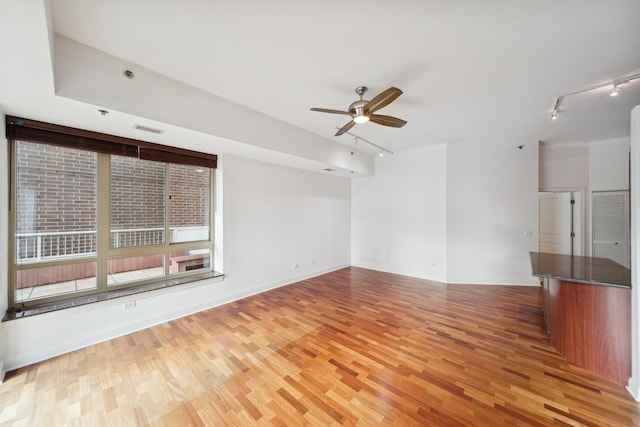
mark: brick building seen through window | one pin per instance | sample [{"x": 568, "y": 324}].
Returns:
[{"x": 57, "y": 199}]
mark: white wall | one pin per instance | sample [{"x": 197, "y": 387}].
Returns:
[
  {"x": 399, "y": 215},
  {"x": 634, "y": 381},
  {"x": 273, "y": 217},
  {"x": 492, "y": 212},
  {"x": 455, "y": 213},
  {"x": 563, "y": 167},
  {"x": 276, "y": 217},
  {"x": 609, "y": 165},
  {"x": 4, "y": 209}
]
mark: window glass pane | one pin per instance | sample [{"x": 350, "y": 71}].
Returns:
[
  {"x": 45, "y": 282},
  {"x": 188, "y": 203},
  {"x": 132, "y": 269},
  {"x": 55, "y": 202},
  {"x": 190, "y": 260},
  {"x": 137, "y": 202},
  {"x": 57, "y": 244}
]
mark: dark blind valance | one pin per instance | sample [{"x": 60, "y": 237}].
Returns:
[{"x": 34, "y": 131}]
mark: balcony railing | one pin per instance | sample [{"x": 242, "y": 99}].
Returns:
[
  {"x": 48, "y": 246},
  {"x": 130, "y": 237},
  {"x": 32, "y": 247}
]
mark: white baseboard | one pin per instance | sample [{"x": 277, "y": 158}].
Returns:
[{"x": 634, "y": 389}]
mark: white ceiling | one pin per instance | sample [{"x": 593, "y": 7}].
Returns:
[{"x": 470, "y": 70}]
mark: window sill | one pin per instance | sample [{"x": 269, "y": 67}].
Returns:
[{"x": 104, "y": 296}]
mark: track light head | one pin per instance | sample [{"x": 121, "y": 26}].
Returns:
[{"x": 614, "y": 92}]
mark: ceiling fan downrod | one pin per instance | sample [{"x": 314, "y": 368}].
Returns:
[{"x": 360, "y": 90}]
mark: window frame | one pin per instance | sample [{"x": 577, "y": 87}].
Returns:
[{"x": 104, "y": 145}]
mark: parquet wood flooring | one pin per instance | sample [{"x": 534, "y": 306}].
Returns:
[{"x": 353, "y": 347}]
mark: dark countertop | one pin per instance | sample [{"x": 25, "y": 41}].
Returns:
[{"x": 581, "y": 269}]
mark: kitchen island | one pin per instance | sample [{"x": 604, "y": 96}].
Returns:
[{"x": 587, "y": 309}]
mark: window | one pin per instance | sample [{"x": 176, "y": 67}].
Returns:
[{"x": 91, "y": 213}]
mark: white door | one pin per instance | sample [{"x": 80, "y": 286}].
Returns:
[
  {"x": 611, "y": 226},
  {"x": 555, "y": 222}
]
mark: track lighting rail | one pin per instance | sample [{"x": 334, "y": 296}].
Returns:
[
  {"x": 359, "y": 138},
  {"x": 616, "y": 84}
]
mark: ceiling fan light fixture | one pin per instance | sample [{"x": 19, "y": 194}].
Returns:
[{"x": 361, "y": 119}]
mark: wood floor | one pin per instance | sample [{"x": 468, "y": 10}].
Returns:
[{"x": 353, "y": 347}]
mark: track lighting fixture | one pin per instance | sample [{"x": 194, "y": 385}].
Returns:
[
  {"x": 614, "y": 92},
  {"x": 359, "y": 138},
  {"x": 554, "y": 114}
]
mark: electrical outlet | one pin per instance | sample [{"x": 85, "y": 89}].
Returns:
[{"x": 129, "y": 304}]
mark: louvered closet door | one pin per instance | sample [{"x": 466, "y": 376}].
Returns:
[{"x": 611, "y": 226}]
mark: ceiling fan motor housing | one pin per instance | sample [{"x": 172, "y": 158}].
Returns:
[{"x": 357, "y": 107}]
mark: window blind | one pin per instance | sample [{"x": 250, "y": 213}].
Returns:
[{"x": 18, "y": 128}]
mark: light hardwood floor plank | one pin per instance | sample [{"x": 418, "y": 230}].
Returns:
[{"x": 353, "y": 347}]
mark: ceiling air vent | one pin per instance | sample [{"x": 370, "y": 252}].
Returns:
[{"x": 148, "y": 129}]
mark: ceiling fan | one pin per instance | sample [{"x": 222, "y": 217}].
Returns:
[{"x": 362, "y": 111}]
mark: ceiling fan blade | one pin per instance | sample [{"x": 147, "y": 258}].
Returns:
[
  {"x": 387, "y": 120},
  {"x": 382, "y": 99},
  {"x": 328, "y": 110},
  {"x": 345, "y": 128}
]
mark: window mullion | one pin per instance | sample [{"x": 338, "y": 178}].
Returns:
[
  {"x": 103, "y": 226},
  {"x": 167, "y": 229},
  {"x": 12, "y": 223},
  {"x": 212, "y": 214}
]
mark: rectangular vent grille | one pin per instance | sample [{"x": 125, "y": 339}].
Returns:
[{"x": 148, "y": 129}]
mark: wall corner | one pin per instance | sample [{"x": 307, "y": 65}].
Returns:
[
  {"x": 634, "y": 381},
  {"x": 4, "y": 224}
]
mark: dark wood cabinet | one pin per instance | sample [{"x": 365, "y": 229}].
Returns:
[
  {"x": 590, "y": 326},
  {"x": 588, "y": 323}
]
